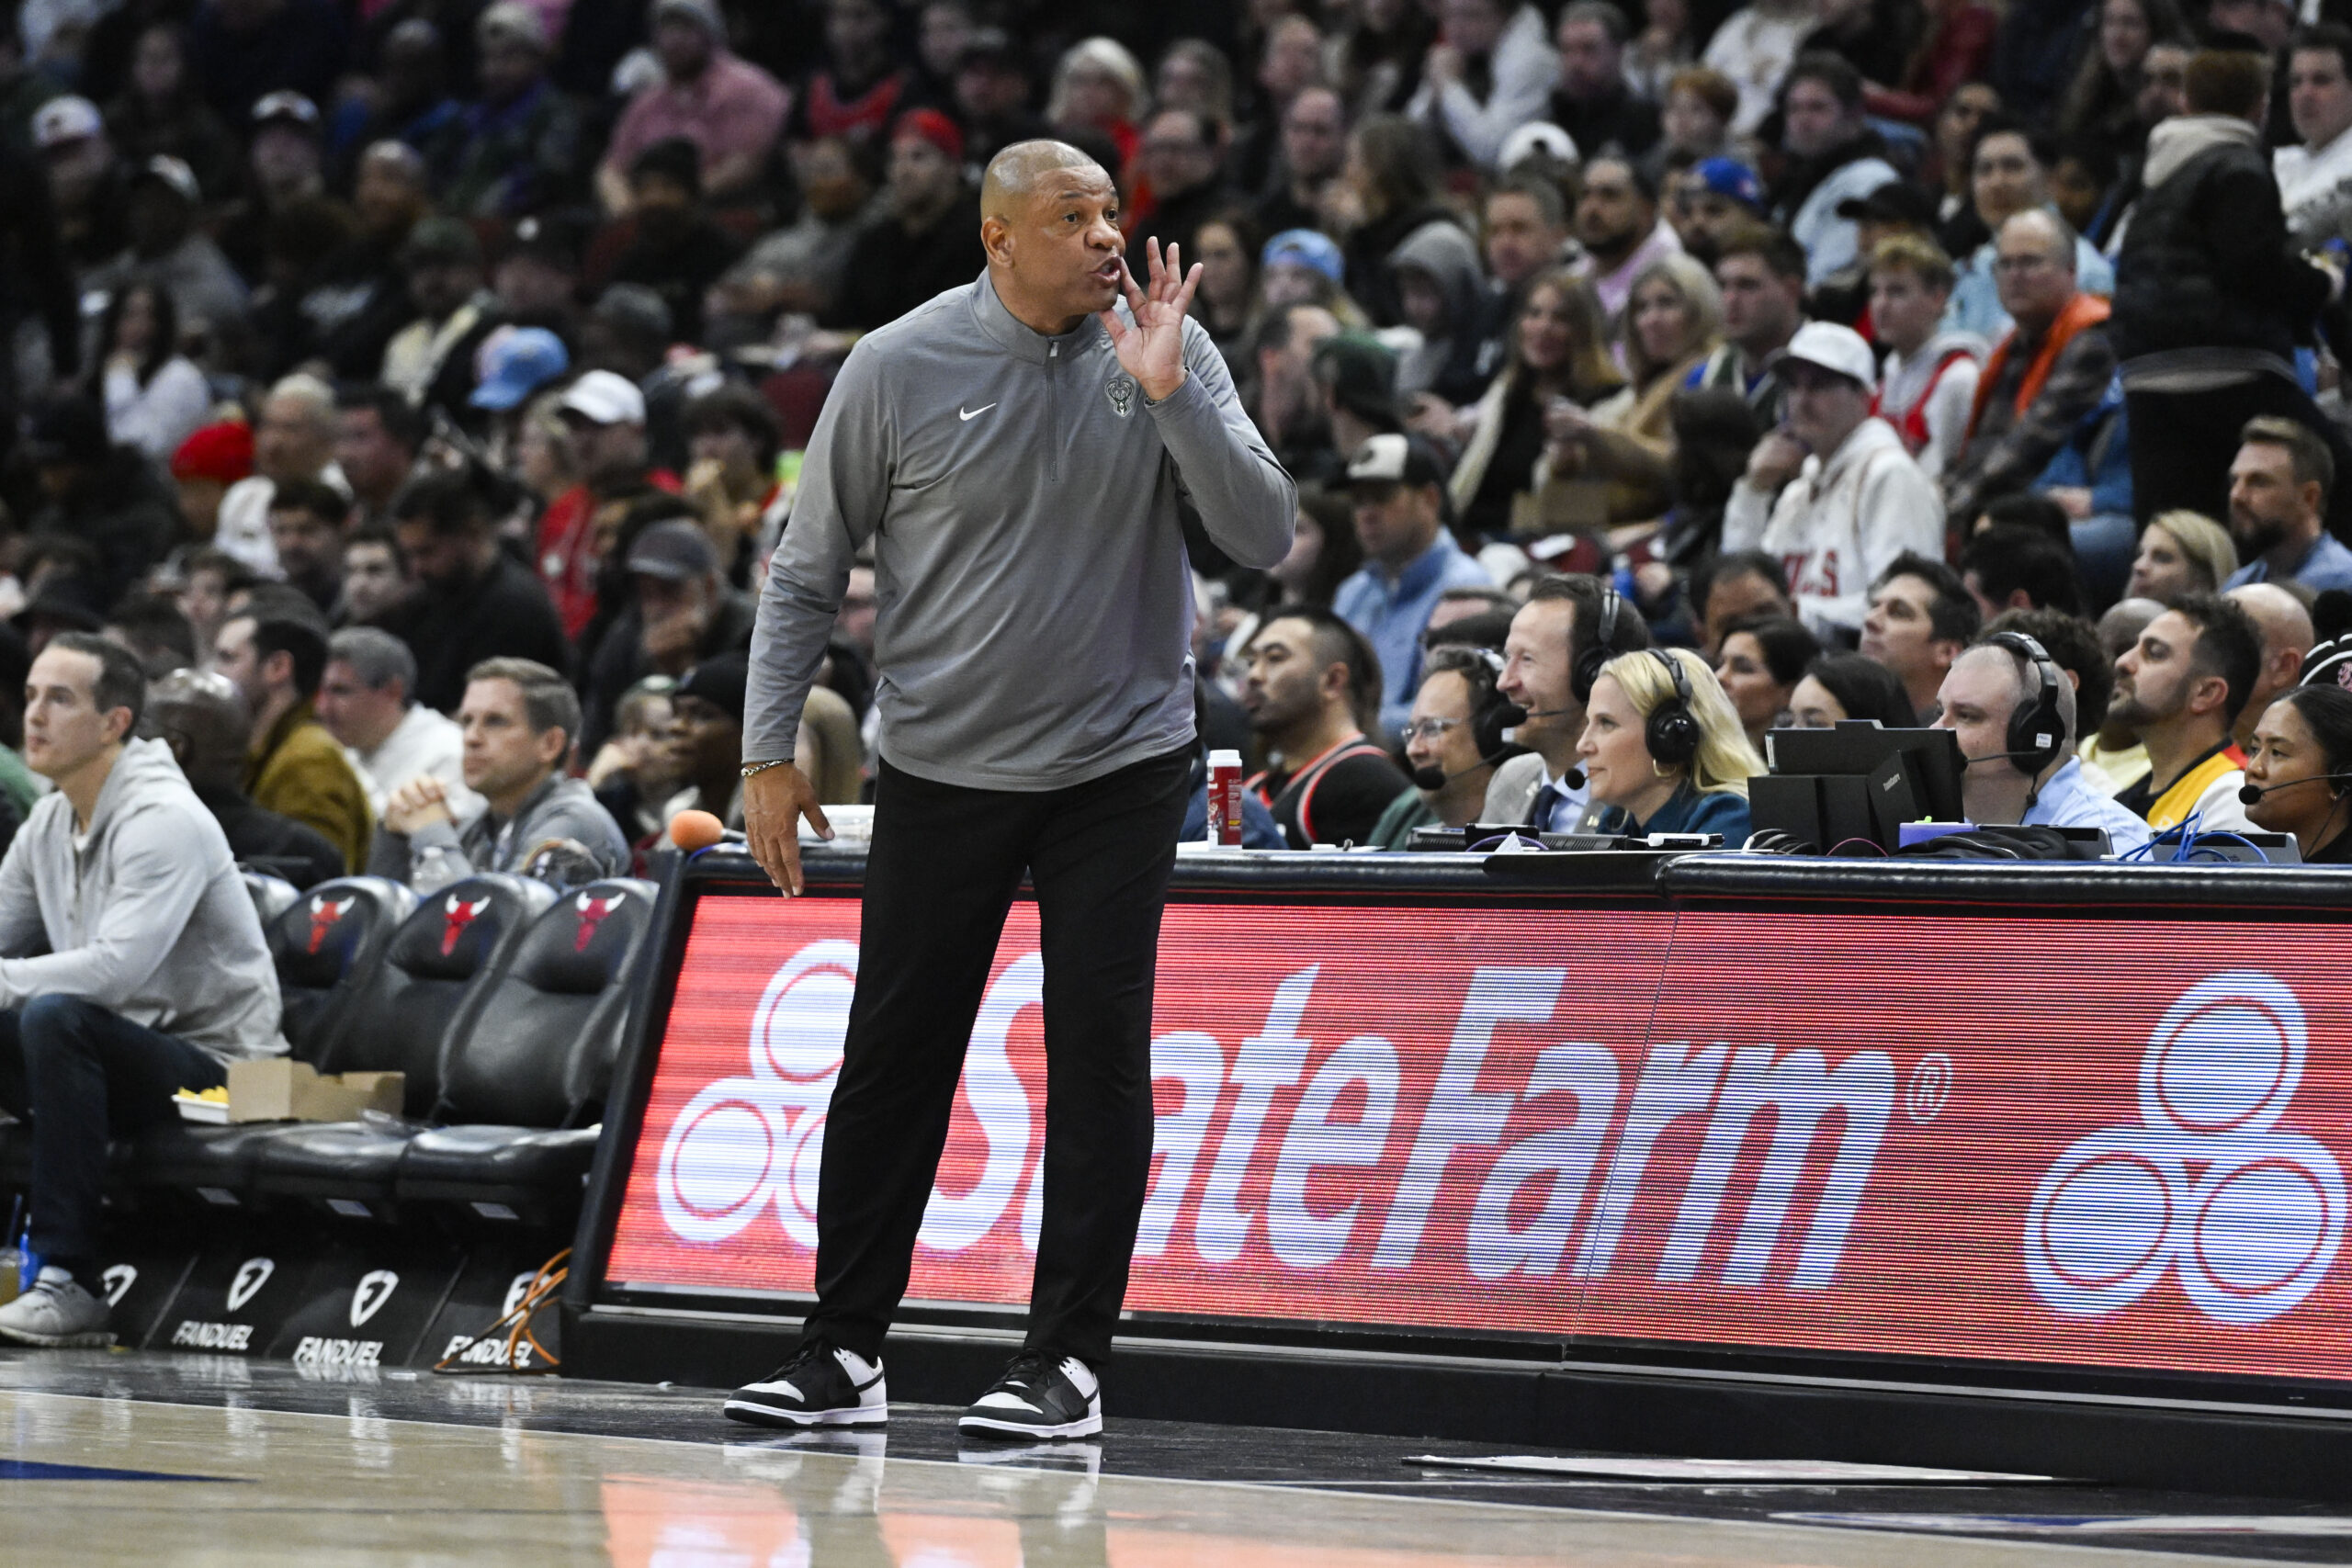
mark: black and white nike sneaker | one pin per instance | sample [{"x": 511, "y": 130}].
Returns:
[
  {"x": 821, "y": 1386},
  {"x": 1038, "y": 1396}
]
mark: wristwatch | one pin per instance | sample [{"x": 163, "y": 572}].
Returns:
[{"x": 750, "y": 768}]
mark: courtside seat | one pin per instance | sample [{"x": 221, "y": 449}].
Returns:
[
  {"x": 528, "y": 1075},
  {"x": 271, "y": 896},
  {"x": 403, "y": 1018},
  {"x": 326, "y": 947},
  {"x": 327, "y": 944}
]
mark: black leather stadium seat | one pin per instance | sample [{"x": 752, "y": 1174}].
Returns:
[
  {"x": 271, "y": 896},
  {"x": 527, "y": 1076},
  {"x": 326, "y": 947},
  {"x": 325, "y": 943},
  {"x": 402, "y": 1018}
]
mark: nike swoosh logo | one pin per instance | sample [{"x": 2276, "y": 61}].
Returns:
[{"x": 972, "y": 413}]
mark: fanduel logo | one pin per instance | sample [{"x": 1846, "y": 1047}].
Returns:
[
  {"x": 374, "y": 1289},
  {"x": 119, "y": 1281},
  {"x": 194, "y": 1335},
  {"x": 252, "y": 1275},
  {"x": 743, "y": 1143},
  {"x": 2206, "y": 1185}
]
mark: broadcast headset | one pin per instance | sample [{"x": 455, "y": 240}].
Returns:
[
  {"x": 1671, "y": 733},
  {"x": 2037, "y": 731},
  {"x": 1597, "y": 651},
  {"x": 1587, "y": 669},
  {"x": 1490, "y": 722}
]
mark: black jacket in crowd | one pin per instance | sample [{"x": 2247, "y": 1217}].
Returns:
[
  {"x": 505, "y": 612},
  {"x": 2205, "y": 263},
  {"x": 270, "y": 843},
  {"x": 892, "y": 271}
]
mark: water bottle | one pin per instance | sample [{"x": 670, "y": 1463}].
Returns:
[{"x": 435, "y": 868}]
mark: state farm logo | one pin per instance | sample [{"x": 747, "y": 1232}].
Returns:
[
  {"x": 1532, "y": 1160},
  {"x": 2208, "y": 1187},
  {"x": 744, "y": 1143}
]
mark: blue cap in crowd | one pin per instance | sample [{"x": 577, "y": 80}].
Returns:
[
  {"x": 1306, "y": 248},
  {"x": 516, "y": 363},
  {"x": 1729, "y": 177}
]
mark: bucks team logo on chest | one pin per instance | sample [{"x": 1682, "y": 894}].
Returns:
[{"x": 1121, "y": 391}]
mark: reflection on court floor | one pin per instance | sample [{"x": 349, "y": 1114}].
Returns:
[{"x": 110, "y": 1477}]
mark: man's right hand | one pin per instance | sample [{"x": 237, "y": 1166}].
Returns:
[
  {"x": 420, "y": 801},
  {"x": 1775, "y": 461},
  {"x": 775, "y": 800}
]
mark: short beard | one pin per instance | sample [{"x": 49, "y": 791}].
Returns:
[
  {"x": 2260, "y": 536},
  {"x": 2132, "y": 714}
]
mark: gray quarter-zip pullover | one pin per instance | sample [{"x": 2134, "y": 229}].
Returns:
[
  {"x": 145, "y": 914},
  {"x": 1035, "y": 603}
]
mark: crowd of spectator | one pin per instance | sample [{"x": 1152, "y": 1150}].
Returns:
[{"x": 418, "y": 386}]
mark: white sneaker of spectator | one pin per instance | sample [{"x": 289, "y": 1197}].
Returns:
[{"x": 56, "y": 1313}]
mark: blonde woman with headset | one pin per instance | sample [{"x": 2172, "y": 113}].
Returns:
[{"x": 1663, "y": 748}]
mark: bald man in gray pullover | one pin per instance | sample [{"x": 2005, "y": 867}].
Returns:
[{"x": 1015, "y": 454}]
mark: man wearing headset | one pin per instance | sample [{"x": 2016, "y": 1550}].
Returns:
[
  {"x": 1453, "y": 742},
  {"x": 1568, "y": 628},
  {"x": 2013, "y": 710}
]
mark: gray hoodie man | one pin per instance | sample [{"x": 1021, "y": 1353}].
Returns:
[
  {"x": 441, "y": 852},
  {"x": 146, "y": 916},
  {"x": 1022, "y": 499}
]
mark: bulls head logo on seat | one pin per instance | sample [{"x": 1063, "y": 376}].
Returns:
[
  {"x": 592, "y": 915},
  {"x": 456, "y": 915},
  {"x": 324, "y": 913}
]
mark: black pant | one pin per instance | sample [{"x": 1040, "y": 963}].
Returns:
[
  {"x": 2182, "y": 444},
  {"x": 939, "y": 881},
  {"x": 80, "y": 1073}
]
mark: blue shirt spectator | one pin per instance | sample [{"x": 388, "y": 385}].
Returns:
[
  {"x": 2069, "y": 800},
  {"x": 1411, "y": 559},
  {"x": 2325, "y": 564},
  {"x": 1977, "y": 297},
  {"x": 2279, "y": 484}
]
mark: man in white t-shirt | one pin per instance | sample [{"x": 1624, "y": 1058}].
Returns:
[
  {"x": 364, "y": 702},
  {"x": 1850, "y": 498},
  {"x": 295, "y": 440},
  {"x": 2315, "y": 178}
]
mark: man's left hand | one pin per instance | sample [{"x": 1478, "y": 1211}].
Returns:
[{"x": 1152, "y": 351}]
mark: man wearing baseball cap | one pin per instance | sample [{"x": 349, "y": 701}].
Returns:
[
  {"x": 84, "y": 180},
  {"x": 1851, "y": 499},
  {"x": 1396, "y": 484},
  {"x": 930, "y": 242},
  {"x": 1710, "y": 200},
  {"x": 679, "y": 611},
  {"x": 166, "y": 243},
  {"x": 514, "y": 146},
  {"x": 729, "y": 108},
  {"x": 1306, "y": 250},
  {"x": 992, "y": 92},
  {"x": 431, "y": 360},
  {"x": 606, "y": 413}
]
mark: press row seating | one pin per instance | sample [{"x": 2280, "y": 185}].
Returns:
[{"x": 503, "y": 1003}]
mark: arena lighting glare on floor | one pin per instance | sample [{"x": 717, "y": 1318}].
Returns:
[
  {"x": 1766, "y": 1471},
  {"x": 143, "y": 1458}
]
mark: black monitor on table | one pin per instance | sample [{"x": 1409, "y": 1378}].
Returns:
[{"x": 1856, "y": 781}]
